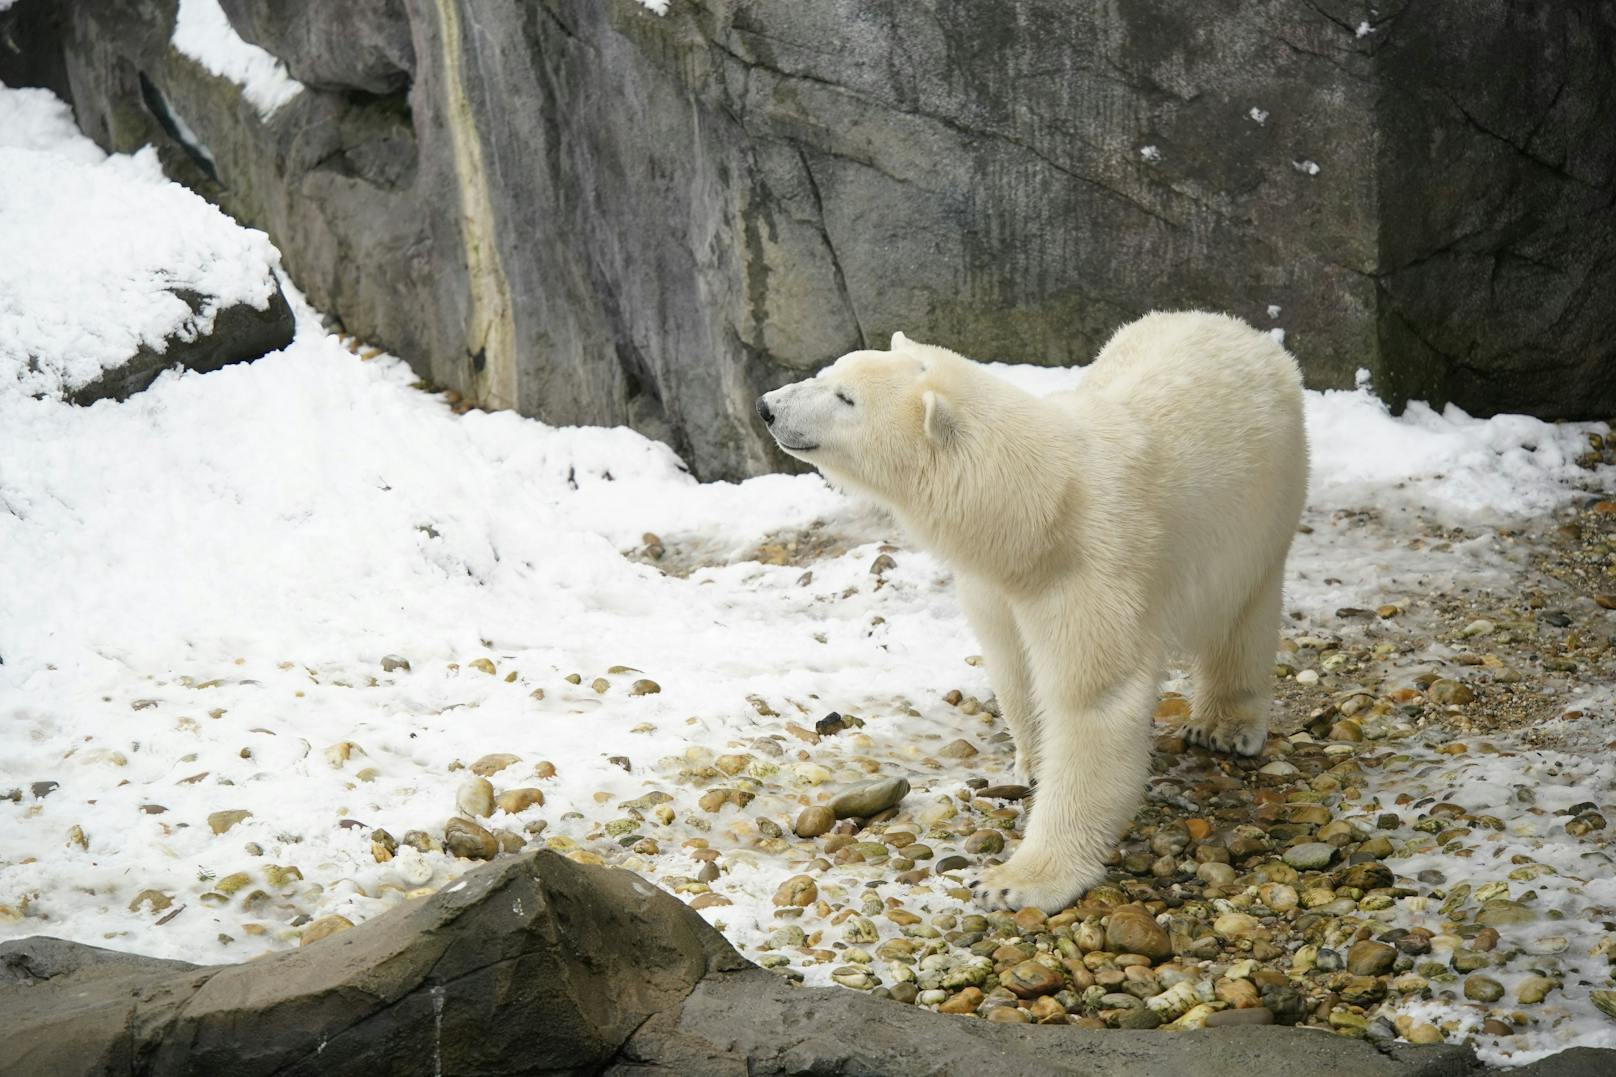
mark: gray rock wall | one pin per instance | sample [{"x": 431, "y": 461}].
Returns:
[{"x": 593, "y": 214}]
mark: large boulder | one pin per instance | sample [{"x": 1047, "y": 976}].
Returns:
[
  {"x": 592, "y": 213},
  {"x": 530, "y": 965}
]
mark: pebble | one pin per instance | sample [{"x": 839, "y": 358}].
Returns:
[
  {"x": 515, "y": 801},
  {"x": 1369, "y": 958},
  {"x": 966, "y": 1000},
  {"x": 221, "y": 821},
  {"x": 392, "y": 662},
  {"x": 467, "y": 840},
  {"x": 1479, "y": 988},
  {"x": 644, "y": 687},
  {"x": 1310, "y": 856},
  {"x": 1254, "y": 1015},
  {"x": 814, "y": 820},
  {"x": 476, "y": 797},
  {"x": 1534, "y": 989},
  {"x": 493, "y": 763},
  {"x": 1130, "y": 929},
  {"x": 869, "y": 798},
  {"x": 985, "y": 842},
  {"x": 1449, "y": 692},
  {"x": 1030, "y": 979},
  {"x": 323, "y": 928},
  {"x": 799, "y": 891}
]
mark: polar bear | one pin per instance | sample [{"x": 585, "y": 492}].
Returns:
[{"x": 1093, "y": 535}]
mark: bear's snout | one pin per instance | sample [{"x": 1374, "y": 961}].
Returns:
[{"x": 766, "y": 412}]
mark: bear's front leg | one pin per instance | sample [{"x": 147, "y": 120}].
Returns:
[
  {"x": 1095, "y": 762},
  {"x": 994, "y": 623}
]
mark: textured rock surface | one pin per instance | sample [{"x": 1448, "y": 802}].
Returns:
[
  {"x": 532, "y": 965},
  {"x": 539, "y": 965},
  {"x": 594, "y": 214},
  {"x": 240, "y": 333}
]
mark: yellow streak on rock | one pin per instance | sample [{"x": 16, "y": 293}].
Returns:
[{"x": 490, "y": 327}]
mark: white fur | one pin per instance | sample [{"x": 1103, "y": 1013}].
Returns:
[{"x": 1093, "y": 534}]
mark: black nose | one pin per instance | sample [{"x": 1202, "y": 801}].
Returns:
[{"x": 765, "y": 411}]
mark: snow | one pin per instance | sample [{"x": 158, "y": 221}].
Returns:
[
  {"x": 1307, "y": 168},
  {"x": 203, "y": 32},
  {"x": 1273, "y": 310},
  {"x": 659, "y": 7},
  {"x": 202, "y": 582},
  {"x": 97, "y": 247},
  {"x": 32, "y": 119},
  {"x": 1566, "y": 876},
  {"x": 1150, "y": 153},
  {"x": 1364, "y": 30},
  {"x": 1260, "y": 116}
]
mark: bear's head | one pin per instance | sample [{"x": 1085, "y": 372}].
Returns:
[{"x": 873, "y": 420}]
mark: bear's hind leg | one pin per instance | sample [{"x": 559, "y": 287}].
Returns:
[
  {"x": 995, "y": 627},
  {"x": 1233, "y": 674}
]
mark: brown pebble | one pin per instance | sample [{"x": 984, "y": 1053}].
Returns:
[{"x": 1255, "y": 1015}]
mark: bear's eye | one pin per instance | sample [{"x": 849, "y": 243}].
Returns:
[{"x": 841, "y": 395}]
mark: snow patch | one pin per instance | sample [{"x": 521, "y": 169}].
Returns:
[
  {"x": 98, "y": 248},
  {"x": 203, "y": 32}
]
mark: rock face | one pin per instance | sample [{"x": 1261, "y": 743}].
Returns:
[
  {"x": 595, "y": 214},
  {"x": 531, "y": 965},
  {"x": 537, "y": 965}
]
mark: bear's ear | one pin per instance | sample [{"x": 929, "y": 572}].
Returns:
[
  {"x": 898, "y": 341},
  {"x": 941, "y": 423}
]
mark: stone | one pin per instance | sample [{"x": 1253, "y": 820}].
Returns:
[
  {"x": 493, "y": 763},
  {"x": 464, "y": 838},
  {"x": 1236, "y": 925},
  {"x": 1369, "y": 958},
  {"x": 958, "y": 749},
  {"x": 1131, "y": 929},
  {"x": 644, "y": 687},
  {"x": 814, "y": 820},
  {"x": 1533, "y": 989},
  {"x": 985, "y": 843},
  {"x": 1030, "y": 979},
  {"x": 519, "y": 800},
  {"x": 221, "y": 821},
  {"x": 392, "y": 662},
  {"x": 966, "y": 1000},
  {"x": 1479, "y": 988},
  {"x": 476, "y": 797},
  {"x": 1256, "y": 1015},
  {"x": 799, "y": 891},
  {"x": 1310, "y": 856},
  {"x": 1449, "y": 692},
  {"x": 869, "y": 798},
  {"x": 323, "y": 928}
]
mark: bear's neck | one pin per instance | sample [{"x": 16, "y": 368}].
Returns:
[{"x": 999, "y": 505}]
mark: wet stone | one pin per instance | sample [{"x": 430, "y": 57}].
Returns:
[
  {"x": 985, "y": 842},
  {"x": 1131, "y": 929},
  {"x": 1479, "y": 988},
  {"x": 1368, "y": 958},
  {"x": 1029, "y": 979},
  {"x": 1310, "y": 856},
  {"x": 869, "y": 798}
]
